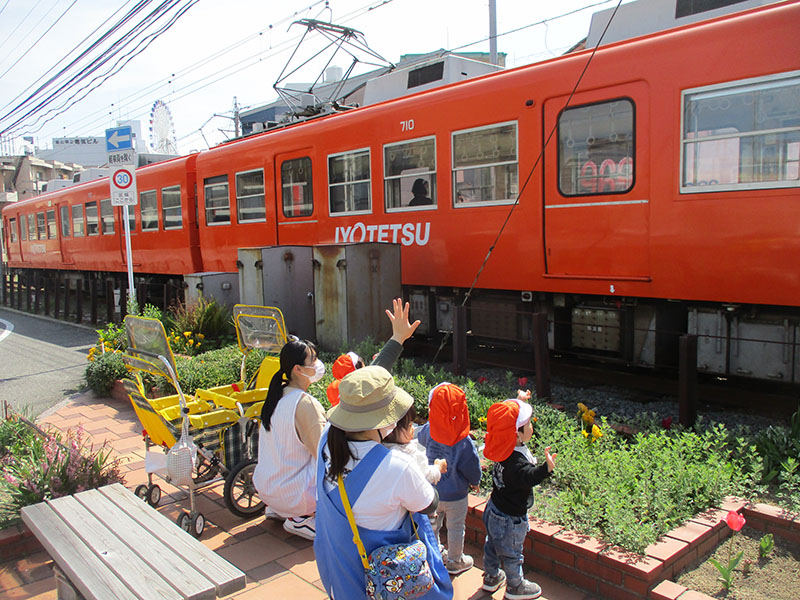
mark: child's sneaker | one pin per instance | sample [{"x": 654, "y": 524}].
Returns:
[
  {"x": 527, "y": 590},
  {"x": 304, "y": 527},
  {"x": 455, "y": 567},
  {"x": 492, "y": 583}
]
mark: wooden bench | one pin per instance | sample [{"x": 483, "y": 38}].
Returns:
[{"x": 111, "y": 545}]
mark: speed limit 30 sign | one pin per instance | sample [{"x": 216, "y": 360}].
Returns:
[{"x": 123, "y": 186}]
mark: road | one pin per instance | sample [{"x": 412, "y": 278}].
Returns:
[{"x": 42, "y": 360}]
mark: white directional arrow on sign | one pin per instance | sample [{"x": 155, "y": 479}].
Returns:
[{"x": 115, "y": 139}]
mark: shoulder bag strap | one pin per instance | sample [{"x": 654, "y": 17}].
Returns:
[{"x": 356, "y": 538}]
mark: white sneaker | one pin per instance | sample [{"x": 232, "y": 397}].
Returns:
[
  {"x": 271, "y": 514},
  {"x": 304, "y": 527}
]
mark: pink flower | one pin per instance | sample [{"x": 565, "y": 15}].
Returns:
[
  {"x": 666, "y": 422},
  {"x": 734, "y": 520},
  {"x": 10, "y": 478},
  {"x": 522, "y": 381},
  {"x": 482, "y": 380}
]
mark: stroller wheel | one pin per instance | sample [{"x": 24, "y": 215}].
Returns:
[
  {"x": 206, "y": 469},
  {"x": 184, "y": 521},
  {"x": 240, "y": 494},
  {"x": 197, "y": 524},
  {"x": 141, "y": 491},
  {"x": 153, "y": 495}
]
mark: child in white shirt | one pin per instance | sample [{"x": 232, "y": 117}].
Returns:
[{"x": 401, "y": 439}]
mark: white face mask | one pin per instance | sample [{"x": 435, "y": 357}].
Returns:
[
  {"x": 385, "y": 431},
  {"x": 319, "y": 371}
]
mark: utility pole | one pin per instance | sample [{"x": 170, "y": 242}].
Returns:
[
  {"x": 493, "y": 31},
  {"x": 236, "y": 117}
]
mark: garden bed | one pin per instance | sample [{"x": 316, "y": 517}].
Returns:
[{"x": 611, "y": 572}]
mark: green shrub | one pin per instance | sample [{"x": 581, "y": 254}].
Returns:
[
  {"x": 206, "y": 321},
  {"x": 103, "y": 370}
]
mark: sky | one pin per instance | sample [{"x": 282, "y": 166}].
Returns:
[{"x": 220, "y": 50}]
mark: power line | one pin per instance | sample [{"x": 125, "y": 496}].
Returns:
[
  {"x": 39, "y": 39},
  {"x": 25, "y": 18}
]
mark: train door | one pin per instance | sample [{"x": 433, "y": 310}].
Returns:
[
  {"x": 65, "y": 233},
  {"x": 596, "y": 196}
]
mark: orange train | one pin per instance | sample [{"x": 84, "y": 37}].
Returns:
[{"x": 662, "y": 197}]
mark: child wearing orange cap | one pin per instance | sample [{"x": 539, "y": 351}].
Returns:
[
  {"x": 446, "y": 437},
  {"x": 515, "y": 472},
  {"x": 344, "y": 365}
]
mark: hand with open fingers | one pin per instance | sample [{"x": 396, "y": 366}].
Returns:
[
  {"x": 402, "y": 329},
  {"x": 442, "y": 464},
  {"x": 525, "y": 395},
  {"x": 550, "y": 459}
]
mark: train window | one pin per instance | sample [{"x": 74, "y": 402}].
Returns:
[
  {"x": 250, "y": 202},
  {"x": 77, "y": 220},
  {"x": 64, "y": 214},
  {"x": 171, "y": 207},
  {"x": 23, "y": 228},
  {"x": 349, "y": 182},
  {"x": 485, "y": 165},
  {"x": 595, "y": 149},
  {"x": 148, "y": 207},
  {"x": 409, "y": 172},
  {"x": 52, "y": 232},
  {"x": 298, "y": 195},
  {"x": 31, "y": 227},
  {"x": 742, "y": 135},
  {"x": 41, "y": 226},
  {"x": 12, "y": 228},
  {"x": 218, "y": 203},
  {"x": 92, "y": 224},
  {"x": 107, "y": 216}
]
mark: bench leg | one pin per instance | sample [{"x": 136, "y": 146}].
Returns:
[{"x": 64, "y": 588}]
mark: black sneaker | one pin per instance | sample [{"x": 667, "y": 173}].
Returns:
[
  {"x": 527, "y": 590},
  {"x": 492, "y": 583}
]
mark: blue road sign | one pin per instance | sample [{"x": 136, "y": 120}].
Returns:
[{"x": 119, "y": 138}]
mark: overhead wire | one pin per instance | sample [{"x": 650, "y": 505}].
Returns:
[
  {"x": 126, "y": 39},
  {"x": 116, "y": 67},
  {"x": 39, "y": 39},
  {"x": 25, "y": 18},
  {"x": 65, "y": 57},
  {"x": 530, "y": 175}
]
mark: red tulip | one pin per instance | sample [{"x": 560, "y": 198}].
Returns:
[
  {"x": 482, "y": 380},
  {"x": 666, "y": 422},
  {"x": 734, "y": 520},
  {"x": 523, "y": 381}
]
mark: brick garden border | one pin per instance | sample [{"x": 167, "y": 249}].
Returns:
[{"x": 611, "y": 572}]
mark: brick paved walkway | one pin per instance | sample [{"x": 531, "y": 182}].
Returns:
[{"x": 277, "y": 564}]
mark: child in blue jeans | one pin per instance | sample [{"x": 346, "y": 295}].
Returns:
[
  {"x": 446, "y": 436},
  {"x": 508, "y": 429}
]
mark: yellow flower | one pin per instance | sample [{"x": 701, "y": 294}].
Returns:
[
  {"x": 582, "y": 407},
  {"x": 583, "y": 431},
  {"x": 198, "y": 344},
  {"x": 588, "y": 417},
  {"x": 596, "y": 433},
  {"x": 191, "y": 342},
  {"x": 187, "y": 333},
  {"x": 201, "y": 336}
]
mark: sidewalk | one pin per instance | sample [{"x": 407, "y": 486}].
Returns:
[{"x": 277, "y": 564}]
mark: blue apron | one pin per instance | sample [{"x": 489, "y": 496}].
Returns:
[{"x": 340, "y": 567}]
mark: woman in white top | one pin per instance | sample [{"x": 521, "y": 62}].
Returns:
[{"x": 291, "y": 424}]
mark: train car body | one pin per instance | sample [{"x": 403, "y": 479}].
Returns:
[
  {"x": 658, "y": 187},
  {"x": 77, "y": 228}
]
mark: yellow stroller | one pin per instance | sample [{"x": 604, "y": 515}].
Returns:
[{"x": 205, "y": 435}]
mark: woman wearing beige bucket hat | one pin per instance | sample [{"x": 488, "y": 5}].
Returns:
[{"x": 382, "y": 487}]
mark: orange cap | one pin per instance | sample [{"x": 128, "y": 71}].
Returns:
[
  {"x": 501, "y": 430},
  {"x": 333, "y": 392},
  {"x": 344, "y": 365},
  {"x": 448, "y": 414}
]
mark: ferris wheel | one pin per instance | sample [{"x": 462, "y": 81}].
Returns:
[{"x": 162, "y": 129}]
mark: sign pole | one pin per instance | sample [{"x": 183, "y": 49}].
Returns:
[
  {"x": 128, "y": 254},
  {"x": 122, "y": 160}
]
